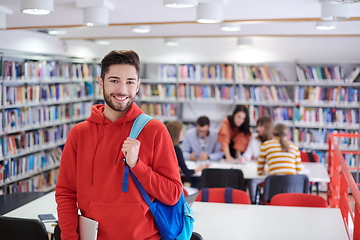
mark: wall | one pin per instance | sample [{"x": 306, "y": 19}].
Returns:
[
  {"x": 269, "y": 49},
  {"x": 40, "y": 43},
  {"x": 264, "y": 49}
]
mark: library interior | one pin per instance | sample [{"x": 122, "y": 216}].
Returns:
[{"x": 296, "y": 62}]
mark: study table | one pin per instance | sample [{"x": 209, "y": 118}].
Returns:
[
  {"x": 236, "y": 221},
  {"x": 316, "y": 172},
  {"x": 44, "y": 204},
  {"x": 216, "y": 221}
]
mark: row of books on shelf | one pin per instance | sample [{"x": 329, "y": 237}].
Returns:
[
  {"x": 21, "y": 118},
  {"x": 15, "y": 95},
  {"x": 220, "y": 72},
  {"x": 44, "y": 181},
  {"x": 317, "y": 137},
  {"x": 160, "y": 110},
  {"x": 162, "y": 91},
  {"x": 16, "y": 70},
  {"x": 326, "y": 73},
  {"x": 327, "y": 116},
  {"x": 23, "y": 142},
  {"x": 352, "y": 159},
  {"x": 261, "y": 73},
  {"x": 218, "y": 92},
  {"x": 277, "y": 114},
  {"x": 199, "y": 72},
  {"x": 332, "y": 94},
  {"x": 270, "y": 94},
  {"x": 22, "y": 167}
]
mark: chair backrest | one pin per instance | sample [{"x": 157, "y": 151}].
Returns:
[
  {"x": 196, "y": 236},
  {"x": 275, "y": 184},
  {"x": 298, "y": 200},
  {"x": 220, "y": 178},
  {"x": 185, "y": 192},
  {"x": 223, "y": 195},
  {"x": 21, "y": 228},
  {"x": 57, "y": 232},
  {"x": 306, "y": 156}
]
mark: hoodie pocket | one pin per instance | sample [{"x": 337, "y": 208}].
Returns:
[{"x": 119, "y": 220}]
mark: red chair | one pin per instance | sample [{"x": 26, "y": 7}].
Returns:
[
  {"x": 311, "y": 156},
  {"x": 298, "y": 200},
  {"x": 223, "y": 195},
  {"x": 185, "y": 192}
]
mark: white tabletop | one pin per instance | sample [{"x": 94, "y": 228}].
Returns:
[
  {"x": 316, "y": 172},
  {"x": 43, "y": 205},
  {"x": 216, "y": 221}
]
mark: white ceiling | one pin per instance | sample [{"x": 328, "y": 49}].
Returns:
[{"x": 258, "y": 18}]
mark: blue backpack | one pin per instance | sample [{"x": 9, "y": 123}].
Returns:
[{"x": 173, "y": 222}]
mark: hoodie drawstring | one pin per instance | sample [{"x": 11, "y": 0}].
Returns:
[
  {"x": 120, "y": 146},
  {"x": 97, "y": 144}
]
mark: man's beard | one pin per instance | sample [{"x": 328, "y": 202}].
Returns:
[{"x": 118, "y": 107}]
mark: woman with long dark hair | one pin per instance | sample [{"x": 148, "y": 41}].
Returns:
[{"x": 234, "y": 133}]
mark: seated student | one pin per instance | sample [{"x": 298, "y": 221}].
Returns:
[
  {"x": 175, "y": 129},
  {"x": 263, "y": 133},
  {"x": 234, "y": 133},
  {"x": 281, "y": 155},
  {"x": 200, "y": 142}
]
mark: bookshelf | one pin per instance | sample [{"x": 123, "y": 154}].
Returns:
[
  {"x": 42, "y": 98},
  {"x": 310, "y": 98}
]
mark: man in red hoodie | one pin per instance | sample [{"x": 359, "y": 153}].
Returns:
[{"x": 92, "y": 166}]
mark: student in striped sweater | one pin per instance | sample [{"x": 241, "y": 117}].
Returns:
[{"x": 281, "y": 155}]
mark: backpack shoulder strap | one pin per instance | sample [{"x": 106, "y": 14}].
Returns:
[
  {"x": 228, "y": 195},
  {"x": 136, "y": 128},
  {"x": 139, "y": 124}
]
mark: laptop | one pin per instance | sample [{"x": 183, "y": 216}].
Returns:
[
  {"x": 191, "y": 198},
  {"x": 88, "y": 228}
]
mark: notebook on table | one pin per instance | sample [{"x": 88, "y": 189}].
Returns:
[{"x": 88, "y": 228}]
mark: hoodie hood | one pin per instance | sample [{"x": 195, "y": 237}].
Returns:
[{"x": 98, "y": 118}]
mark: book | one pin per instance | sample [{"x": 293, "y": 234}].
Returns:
[{"x": 47, "y": 218}]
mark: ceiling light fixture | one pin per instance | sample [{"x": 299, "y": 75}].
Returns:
[
  {"x": 95, "y": 12},
  {"x": 244, "y": 42},
  {"x": 209, "y": 12},
  {"x": 96, "y": 16},
  {"x": 103, "y": 42},
  {"x": 56, "y": 32},
  {"x": 230, "y": 27},
  {"x": 326, "y": 25},
  {"x": 37, "y": 7},
  {"x": 172, "y": 42},
  {"x": 141, "y": 28},
  {"x": 334, "y": 11},
  {"x": 180, "y": 3}
]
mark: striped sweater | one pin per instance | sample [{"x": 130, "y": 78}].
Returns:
[{"x": 279, "y": 162}]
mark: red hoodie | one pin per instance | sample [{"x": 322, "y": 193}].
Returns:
[{"x": 91, "y": 176}]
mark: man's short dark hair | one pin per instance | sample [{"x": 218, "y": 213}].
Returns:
[
  {"x": 128, "y": 57},
  {"x": 203, "y": 121}
]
